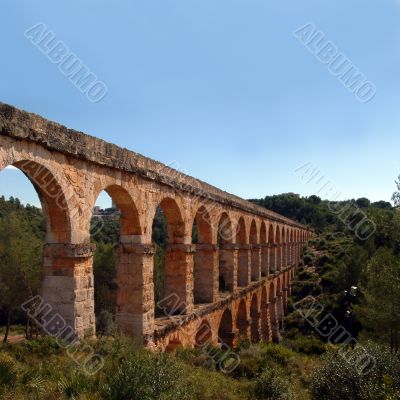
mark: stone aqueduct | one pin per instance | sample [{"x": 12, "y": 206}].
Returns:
[{"x": 234, "y": 282}]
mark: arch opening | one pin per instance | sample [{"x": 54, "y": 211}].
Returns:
[
  {"x": 255, "y": 253},
  {"x": 225, "y": 329},
  {"x": 243, "y": 255},
  {"x": 203, "y": 264},
  {"x": 225, "y": 259},
  {"x": 171, "y": 261},
  {"x": 255, "y": 320},
  {"x": 28, "y": 219},
  {"x": 273, "y": 313},
  {"x": 204, "y": 334},
  {"x": 242, "y": 321},
  {"x": 265, "y": 333},
  {"x": 115, "y": 230}
]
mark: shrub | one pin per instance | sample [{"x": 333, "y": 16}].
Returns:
[
  {"x": 307, "y": 276},
  {"x": 308, "y": 259},
  {"x": 340, "y": 378},
  {"x": 8, "y": 370},
  {"x": 308, "y": 345},
  {"x": 280, "y": 354},
  {"x": 42, "y": 347},
  {"x": 329, "y": 280},
  {"x": 324, "y": 259},
  {"x": 105, "y": 324},
  {"x": 74, "y": 385},
  {"x": 322, "y": 244},
  {"x": 326, "y": 268},
  {"x": 149, "y": 377},
  {"x": 307, "y": 288},
  {"x": 272, "y": 384}
]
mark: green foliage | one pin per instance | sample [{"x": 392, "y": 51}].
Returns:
[
  {"x": 340, "y": 378},
  {"x": 8, "y": 370},
  {"x": 272, "y": 384},
  {"x": 380, "y": 311},
  {"x": 308, "y": 259},
  {"x": 142, "y": 376},
  {"x": 307, "y": 345},
  {"x": 104, "y": 269},
  {"x": 21, "y": 250}
]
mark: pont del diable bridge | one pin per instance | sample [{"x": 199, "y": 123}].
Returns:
[{"x": 233, "y": 283}]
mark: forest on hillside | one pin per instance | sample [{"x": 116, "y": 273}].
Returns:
[{"x": 352, "y": 274}]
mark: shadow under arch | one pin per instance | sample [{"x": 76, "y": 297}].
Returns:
[
  {"x": 174, "y": 261},
  {"x": 173, "y": 345},
  {"x": 129, "y": 220},
  {"x": 255, "y": 319},
  {"x": 265, "y": 328},
  {"x": 272, "y": 249},
  {"x": 278, "y": 249},
  {"x": 242, "y": 321},
  {"x": 53, "y": 199},
  {"x": 226, "y": 335},
  {"x": 203, "y": 334},
  {"x": 264, "y": 249},
  {"x": 226, "y": 256},
  {"x": 126, "y": 299},
  {"x": 243, "y": 256},
  {"x": 204, "y": 258},
  {"x": 255, "y": 252},
  {"x": 273, "y": 313}
]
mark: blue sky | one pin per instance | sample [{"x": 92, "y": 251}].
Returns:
[{"x": 221, "y": 88}]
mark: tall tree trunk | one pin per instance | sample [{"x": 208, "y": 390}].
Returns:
[{"x": 8, "y": 326}]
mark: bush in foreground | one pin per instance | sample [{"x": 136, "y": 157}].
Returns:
[{"x": 341, "y": 378}]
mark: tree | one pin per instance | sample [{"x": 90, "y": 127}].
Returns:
[
  {"x": 380, "y": 311},
  {"x": 356, "y": 376},
  {"x": 396, "y": 194},
  {"x": 20, "y": 264}
]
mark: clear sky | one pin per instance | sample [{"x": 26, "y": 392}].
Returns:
[{"x": 220, "y": 88}]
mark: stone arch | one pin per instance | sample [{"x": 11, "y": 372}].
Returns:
[
  {"x": 130, "y": 228},
  {"x": 203, "y": 334},
  {"x": 175, "y": 221},
  {"x": 273, "y": 312},
  {"x": 277, "y": 234},
  {"x": 264, "y": 250},
  {"x": 225, "y": 329},
  {"x": 279, "y": 301},
  {"x": 178, "y": 281},
  {"x": 173, "y": 345},
  {"x": 253, "y": 237},
  {"x": 265, "y": 334},
  {"x": 243, "y": 253},
  {"x": 204, "y": 227},
  {"x": 255, "y": 252},
  {"x": 255, "y": 319},
  {"x": 129, "y": 303},
  {"x": 61, "y": 255},
  {"x": 203, "y": 265},
  {"x": 272, "y": 249},
  {"x": 271, "y": 236},
  {"x": 263, "y": 232},
  {"x": 241, "y": 232},
  {"x": 55, "y": 206},
  {"x": 289, "y": 241},
  {"x": 226, "y": 255},
  {"x": 242, "y": 321},
  {"x": 278, "y": 250},
  {"x": 225, "y": 232}
]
